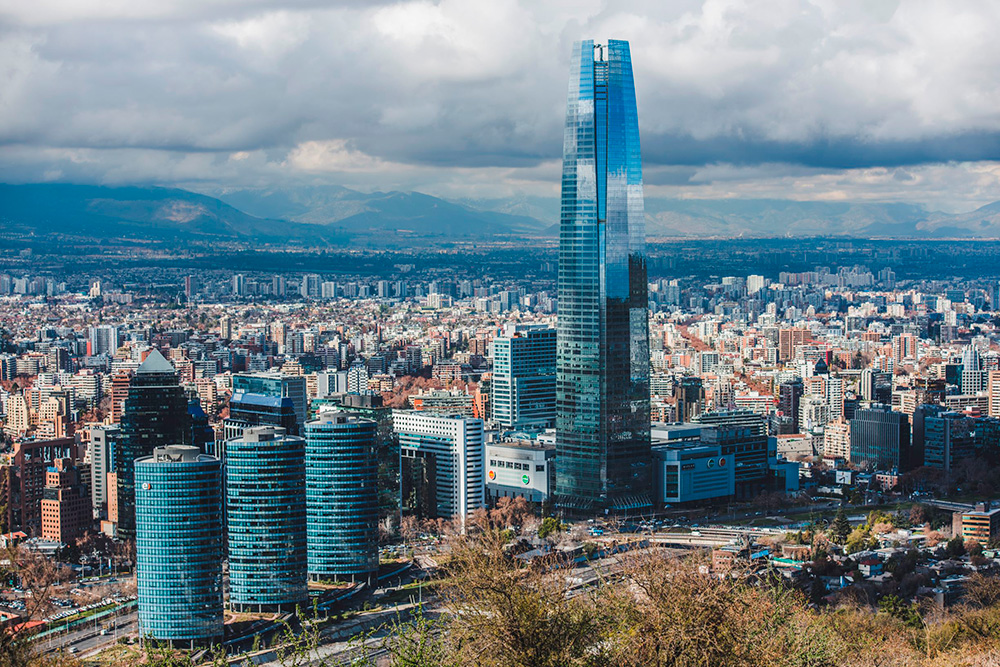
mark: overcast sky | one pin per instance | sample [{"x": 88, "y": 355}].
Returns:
[{"x": 829, "y": 99}]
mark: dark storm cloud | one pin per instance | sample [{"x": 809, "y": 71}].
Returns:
[
  {"x": 407, "y": 94},
  {"x": 822, "y": 152}
]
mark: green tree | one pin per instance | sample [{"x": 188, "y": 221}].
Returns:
[
  {"x": 900, "y": 610},
  {"x": 550, "y": 525},
  {"x": 955, "y": 547},
  {"x": 841, "y": 527}
]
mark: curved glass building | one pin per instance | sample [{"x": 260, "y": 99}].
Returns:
[
  {"x": 602, "y": 342},
  {"x": 178, "y": 522},
  {"x": 266, "y": 512},
  {"x": 341, "y": 497}
]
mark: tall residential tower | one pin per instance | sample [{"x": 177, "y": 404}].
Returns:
[{"x": 602, "y": 369}]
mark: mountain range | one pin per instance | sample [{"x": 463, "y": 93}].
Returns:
[{"x": 333, "y": 215}]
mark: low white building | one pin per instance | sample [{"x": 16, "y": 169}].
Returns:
[{"x": 520, "y": 469}]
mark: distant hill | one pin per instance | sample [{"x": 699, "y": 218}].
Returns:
[
  {"x": 778, "y": 217},
  {"x": 361, "y": 214},
  {"x": 729, "y": 218},
  {"x": 134, "y": 212},
  {"x": 318, "y": 216},
  {"x": 331, "y": 215}
]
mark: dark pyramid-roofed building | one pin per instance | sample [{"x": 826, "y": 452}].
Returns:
[{"x": 155, "y": 414}]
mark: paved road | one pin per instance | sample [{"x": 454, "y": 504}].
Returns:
[{"x": 88, "y": 639}]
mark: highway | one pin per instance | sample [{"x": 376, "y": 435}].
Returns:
[{"x": 88, "y": 640}]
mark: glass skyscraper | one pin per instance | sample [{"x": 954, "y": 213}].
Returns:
[
  {"x": 602, "y": 368},
  {"x": 341, "y": 498},
  {"x": 266, "y": 512},
  {"x": 178, "y": 545}
]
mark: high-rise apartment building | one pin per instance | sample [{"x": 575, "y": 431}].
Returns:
[
  {"x": 602, "y": 377},
  {"x": 904, "y": 346},
  {"x": 789, "y": 395},
  {"x": 266, "y": 520},
  {"x": 341, "y": 497},
  {"x": 524, "y": 378},
  {"x": 154, "y": 414},
  {"x": 65, "y": 506},
  {"x": 103, "y": 447},
  {"x": 789, "y": 340},
  {"x": 837, "y": 440},
  {"x": 442, "y": 463},
  {"x": 993, "y": 389},
  {"x": 103, "y": 339},
  {"x": 178, "y": 545},
  {"x": 22, "y": 491}
]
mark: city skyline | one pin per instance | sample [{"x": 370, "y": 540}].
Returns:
[
  {"x": 565, "y": 413},
  {"x": 819, "y": 102}
]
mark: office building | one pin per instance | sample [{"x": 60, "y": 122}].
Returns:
[
  {"x": 341, "y": 497},
  {"x": 948, "y": 437},
  {"x": 266, "y": 520},
  {"x": 981, "y": 525},
  {"x": 154, "y": 414},
  {"x": 688, "y": 472},
  {"x": 370, "y": 406},
  {"x": 880, "y": 439},
  {"x": 524, "y": 378},
  {"x": 689, "y": 393},
  {"x": 602, "y": 376},
  {"x": 247, "y": 409},
  {"x": 277, "y": 385},
  {"x": 178, "y": 545},
  {"x": 742, "y": 436},
  {"x": 103, "y": 447},
  {"x": 521, "y": 469},
  {"x": 442, "y": 464},
  {"x": 974, "y": 378}
]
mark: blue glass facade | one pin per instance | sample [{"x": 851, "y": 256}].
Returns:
[
  {"x": 266, "y": 512},
  {"x": 178, "y": 522},
  {"x": 341, "y": 497},
  {"x": 602, "y": 376}
]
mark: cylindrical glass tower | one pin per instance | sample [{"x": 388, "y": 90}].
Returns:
[
  {"x": 266, "y": 509},
  {"x": 178, "y": 511},
  {"x": 341, "y": 498}
]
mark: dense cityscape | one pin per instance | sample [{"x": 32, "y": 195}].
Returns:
[
  {"x": 385, "y": 413},
  {"x": 388, "y": 429}
]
